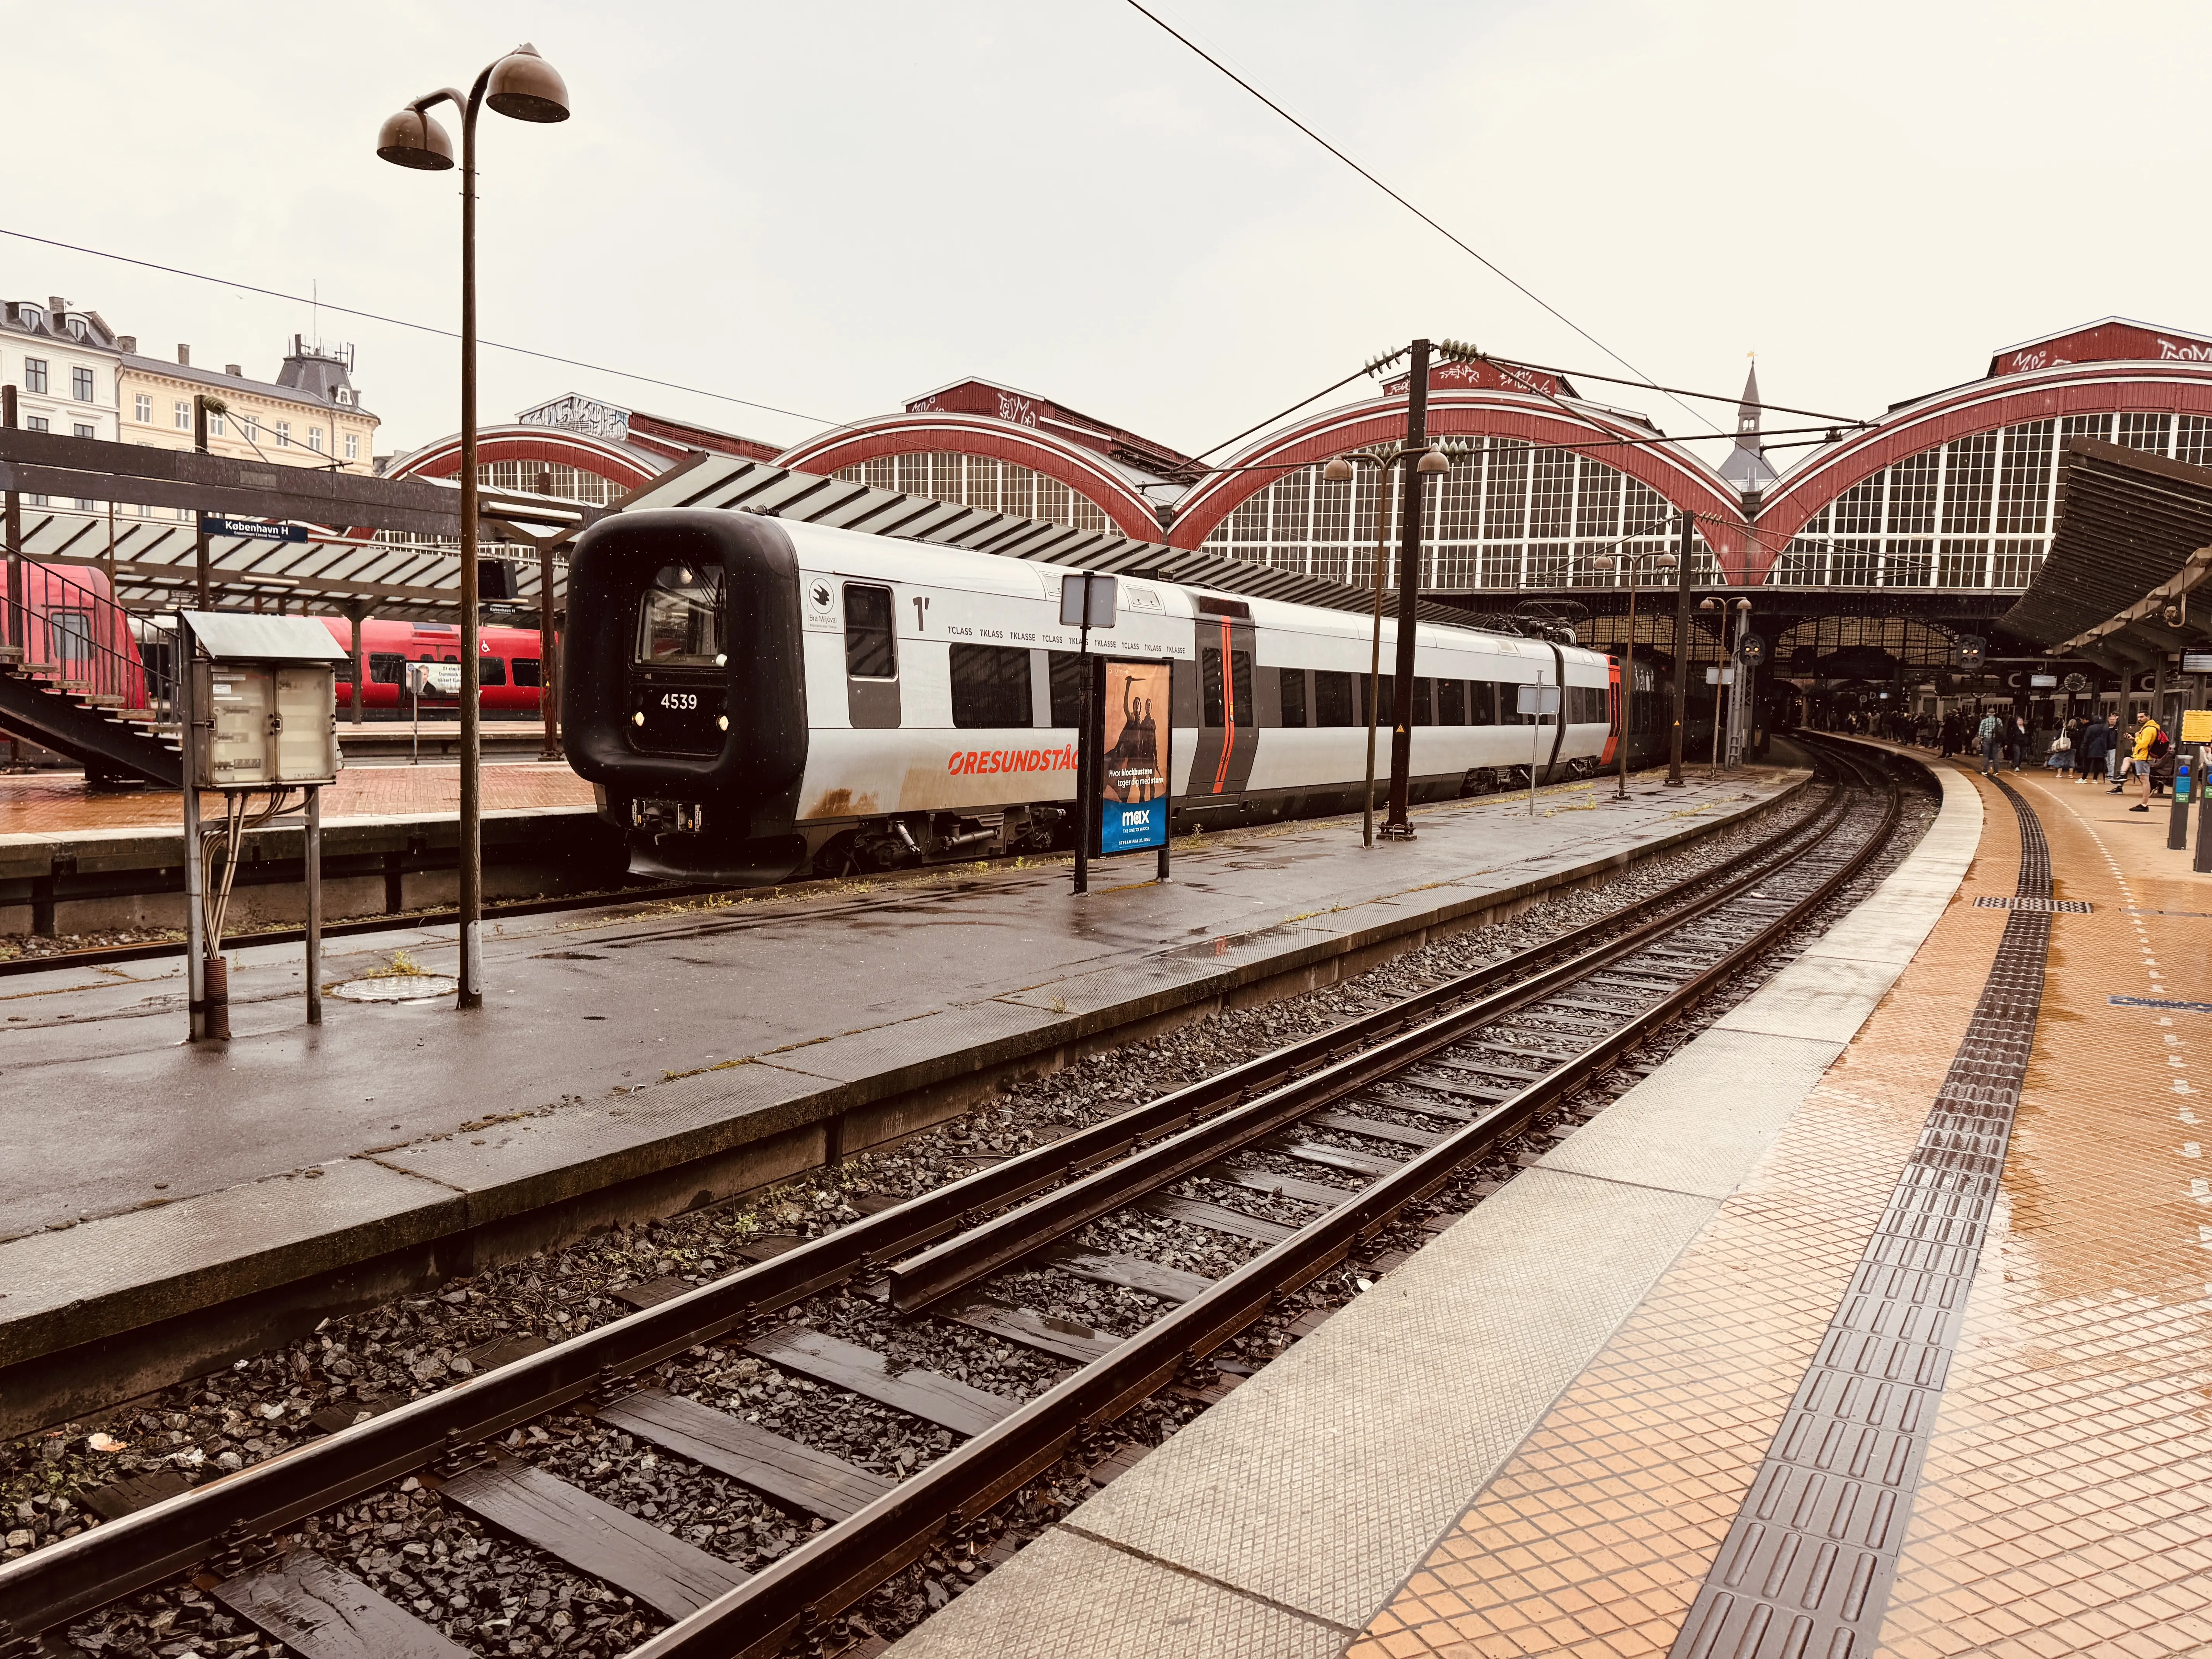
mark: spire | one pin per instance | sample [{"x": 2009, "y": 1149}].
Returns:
[
  {"x": 1747, "y": 412},
  {"x": 1746, "y": 467}
]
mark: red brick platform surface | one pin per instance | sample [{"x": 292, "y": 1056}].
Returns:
[{"x": 57, "y": 804}]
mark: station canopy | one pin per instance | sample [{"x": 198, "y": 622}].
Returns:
[
  {"x": 318, "y": 539},
  {"x": 2133, "y": 539},
  {"x": 731, "y": 484}
]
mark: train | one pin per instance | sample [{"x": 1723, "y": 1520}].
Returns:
[{"x": 754, "y": 699}]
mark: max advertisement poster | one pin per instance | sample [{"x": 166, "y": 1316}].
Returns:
[{"x": 1132, "y": 806}]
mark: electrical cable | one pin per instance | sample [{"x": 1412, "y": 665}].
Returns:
[
  {"x": 1272, "y": 419},
  {"x": 1137, "y": 6},
  {"x": 420, "y": 328}
]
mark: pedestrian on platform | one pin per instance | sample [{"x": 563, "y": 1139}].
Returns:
[
  {"x": 1953, "y": 738},
  {"x": 2061, "y": 759},
  {"x": 2150, "y": 744},
  {"x": 2094, "y": 751},
  {"x": 2020, "y": 740},
  {"x": 1989, "y": 737}
]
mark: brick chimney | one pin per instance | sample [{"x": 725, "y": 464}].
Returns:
[{"x": 127, "y": 344}]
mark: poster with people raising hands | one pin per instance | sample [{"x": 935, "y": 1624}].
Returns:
[{"x": 1132, "y": 806}]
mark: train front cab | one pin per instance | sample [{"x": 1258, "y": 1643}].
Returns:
[{"x": 683, "y": 695}]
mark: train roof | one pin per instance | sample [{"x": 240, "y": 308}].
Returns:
[{"x": 885, "y": 558}]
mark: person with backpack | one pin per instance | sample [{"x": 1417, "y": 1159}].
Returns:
[
  {"x": 1989, "y": 737},
  {"x": 2151, "y": 747}
]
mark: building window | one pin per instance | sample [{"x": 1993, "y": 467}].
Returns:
[
  {"x": 977, "y": 481},
  {"x": 85, "y": 431},
  {"x": 353, "y": 446},
  {"x": 38, "y": 423},
  {"x": 315, "y": 439},
  {"x": 283, "y": 434},
  {"x": 143, "y": 410},
  {"x": 184, "y": 416},
  {"x": 34, "y": 374},
  {"x": 343, "y": 396},
  {"x": 249, "y": 427},
  {"x": 215, "y": 424},
  {"x": 80, "y": 385}
]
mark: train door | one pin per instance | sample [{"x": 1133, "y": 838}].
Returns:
[
  {"x": 1616, "y": 713},
  {"x": 1228, "y": 717},
  {"x": 871, "y": 676}
]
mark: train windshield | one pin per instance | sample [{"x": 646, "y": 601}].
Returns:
[{"x": 680, "y": 622}]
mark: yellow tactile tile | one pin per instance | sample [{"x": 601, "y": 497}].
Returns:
[{"x": 1594, "y": 1538}]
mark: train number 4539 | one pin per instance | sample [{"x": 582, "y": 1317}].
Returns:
[{"x": 679, "y": 700}]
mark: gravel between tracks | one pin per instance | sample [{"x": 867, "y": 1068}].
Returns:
[{"x": 497, "y": 1596}]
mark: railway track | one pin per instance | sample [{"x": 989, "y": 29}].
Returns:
[{"x": 1293, "y": 1161}]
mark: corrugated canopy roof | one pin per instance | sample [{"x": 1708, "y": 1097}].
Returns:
[
  {"x": 728, "y": 483},
  {"x": 2134, "y": 534}
]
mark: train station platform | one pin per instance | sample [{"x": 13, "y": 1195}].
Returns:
[
  {"x": 1875, "y": 1320},
  {"x": 73, "y": 862},
  {"x": 635, "y": 1061}
]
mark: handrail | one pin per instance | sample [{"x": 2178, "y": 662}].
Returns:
[{"x": 101, "y": 659}]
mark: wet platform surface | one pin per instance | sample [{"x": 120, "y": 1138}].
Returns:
[
  {"x": 618, "y": 1041},
  {"x": 42, "y": 807},
  {"x": 1596, "y": 1417}
]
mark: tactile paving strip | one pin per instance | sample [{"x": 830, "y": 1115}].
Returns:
[
  {"x": 2068, "y": 907},
  {"x": 1806, "y": 1569}
]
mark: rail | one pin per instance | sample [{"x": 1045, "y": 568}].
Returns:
[
  {"x": 1568, "y": 1009},
  {"x": 87, "y": 644}
]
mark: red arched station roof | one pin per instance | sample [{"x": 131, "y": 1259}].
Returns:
[
  {"x": 544, "y": 443},
  {"x": 1682, "y": 480},
  {"x": 2009, "y": 399},
  {"x": 1089, "y": 474}
]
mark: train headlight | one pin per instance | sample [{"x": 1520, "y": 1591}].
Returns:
[
  {"x": 721, "y": 660},
  {"x": 722, "y": 721},
  {"x": 638, "y": 719}
]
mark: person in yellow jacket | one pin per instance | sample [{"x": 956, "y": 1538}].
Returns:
[{"x": 2150, "y": 745}]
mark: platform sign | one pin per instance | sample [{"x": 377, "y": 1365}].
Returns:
[
  {"x": 1133, "y": 804},
  {"x": 252, "y": 529}
]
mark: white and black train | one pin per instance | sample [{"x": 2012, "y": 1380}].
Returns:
[{"x": 753, "y": 698}]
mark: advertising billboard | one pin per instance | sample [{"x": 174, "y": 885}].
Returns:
[{"x": 1133, "y": 777}]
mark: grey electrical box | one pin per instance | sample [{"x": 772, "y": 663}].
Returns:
[{"x": 264, "y": 702}]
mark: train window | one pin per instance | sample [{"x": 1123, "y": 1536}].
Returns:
[
  {"x": 526, "y": 671},
  {"x": 1385, "y": 696},
  {"x": 871, "y": 652},
  {"x": 386, "y": 668},
  {"x": 1481, "y": 702},
  {"x": 1294, "y": 696},
  {"x": 990, "y": 684},
  {"x": 1066, "y": 689},
  {"x": 344, "y": 665},
  {"x": 1333, "y": 698},
  {"x": 1451, "y": 703},
  {"x": 1424, "y": 691},
  {"x": 491, "y": 671},
  {"x": 679, "y": 620},
  {"x": 1239, "y": 709}
]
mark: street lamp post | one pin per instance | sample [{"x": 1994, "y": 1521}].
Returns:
[
  {"x": 1339, "y": 470},
  {"x": 1630, "y": 564},
  {"x": 524, "y": 87}
]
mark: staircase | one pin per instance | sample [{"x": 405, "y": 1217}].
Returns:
[{"x": 76, "y": 677}]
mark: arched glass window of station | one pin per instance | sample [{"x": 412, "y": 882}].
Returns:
[
  {"x": 1975, "y": 512},
  {"x": 996, "y": 486},
  {"x": 1509, "y": 516}
]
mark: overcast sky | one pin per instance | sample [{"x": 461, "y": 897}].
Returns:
[{"x": 830, "y": 208}]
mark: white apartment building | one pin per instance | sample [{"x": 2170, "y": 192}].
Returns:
[{"x": 63, "y": 365}]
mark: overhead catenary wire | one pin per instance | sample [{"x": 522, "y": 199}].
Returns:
[
  {"x": 1457, "y": 241},
  {"x": 419, "y": 328}
]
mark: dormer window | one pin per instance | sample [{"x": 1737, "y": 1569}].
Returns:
[
  {"x": 343, "y": 396},
  {"x": 76, "y": 326}
]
